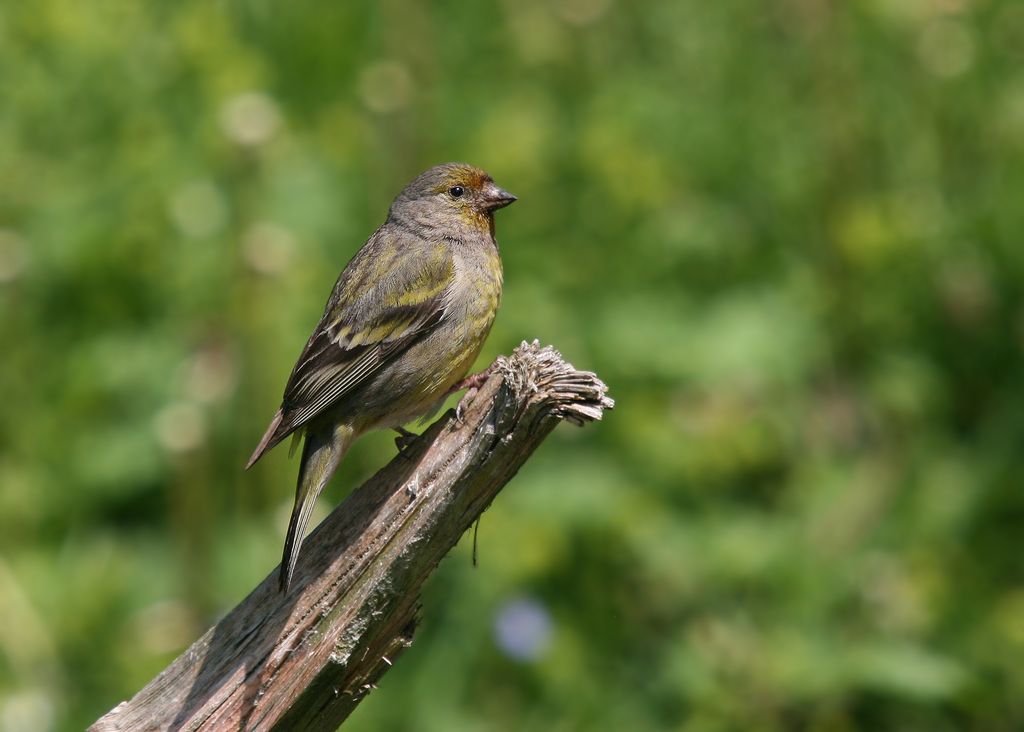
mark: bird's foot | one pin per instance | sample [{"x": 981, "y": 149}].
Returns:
[
  {"x": 473, "y": 381},
  {"x": 471, "y": 384},
  {"x": 466, "y": 399},
  {"x": 404, "y": 440}
]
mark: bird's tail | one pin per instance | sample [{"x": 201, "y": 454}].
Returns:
[{"x": 321, "y": 455}]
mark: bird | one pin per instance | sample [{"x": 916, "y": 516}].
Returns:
[{"x": 404, "y": 322}]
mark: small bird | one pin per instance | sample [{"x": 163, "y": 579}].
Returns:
[{"x": 404, "y": 323}]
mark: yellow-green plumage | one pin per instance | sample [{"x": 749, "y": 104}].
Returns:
[{"x": 404, "y": 323}]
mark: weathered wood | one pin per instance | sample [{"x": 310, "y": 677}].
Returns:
[{"x": 304, "y": 660}]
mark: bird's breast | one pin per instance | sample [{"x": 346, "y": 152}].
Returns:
[
  {"x": 470, "y": 309},
  {"x": 475, "y": 292}
]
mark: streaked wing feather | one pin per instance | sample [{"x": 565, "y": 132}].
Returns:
[{"x": 332, "y": 382}]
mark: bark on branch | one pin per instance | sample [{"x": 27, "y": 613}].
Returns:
[{"x": 304, "y": 660}]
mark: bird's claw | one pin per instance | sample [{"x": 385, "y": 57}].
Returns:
[
  {"x": 471, "y": 384},
  {"x": 460, "y": 408},
  {"x": 404, "y": 440}
]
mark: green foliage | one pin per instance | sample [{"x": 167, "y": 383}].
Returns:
[{"x": 786, "y": 234}]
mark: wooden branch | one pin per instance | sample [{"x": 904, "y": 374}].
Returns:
[{"x": 304, "y": 660}]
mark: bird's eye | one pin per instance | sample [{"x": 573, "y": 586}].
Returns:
[{"x": 456, "y": 191}]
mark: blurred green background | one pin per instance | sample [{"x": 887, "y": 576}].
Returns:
[{"x": 787, "y": 235}]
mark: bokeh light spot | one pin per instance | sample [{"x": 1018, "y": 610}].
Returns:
[{"x": 522, "y": 629}]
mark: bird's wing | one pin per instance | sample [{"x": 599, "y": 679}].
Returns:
[{"x": 387, "y": 298}]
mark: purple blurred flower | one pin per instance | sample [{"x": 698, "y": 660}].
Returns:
[{"x": 522, "y": 629}]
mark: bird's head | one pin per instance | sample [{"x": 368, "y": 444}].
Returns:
[{"x": 456, "y": 192}]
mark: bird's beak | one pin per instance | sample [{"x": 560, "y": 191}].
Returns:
[{"x": 495, "y": 197}]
